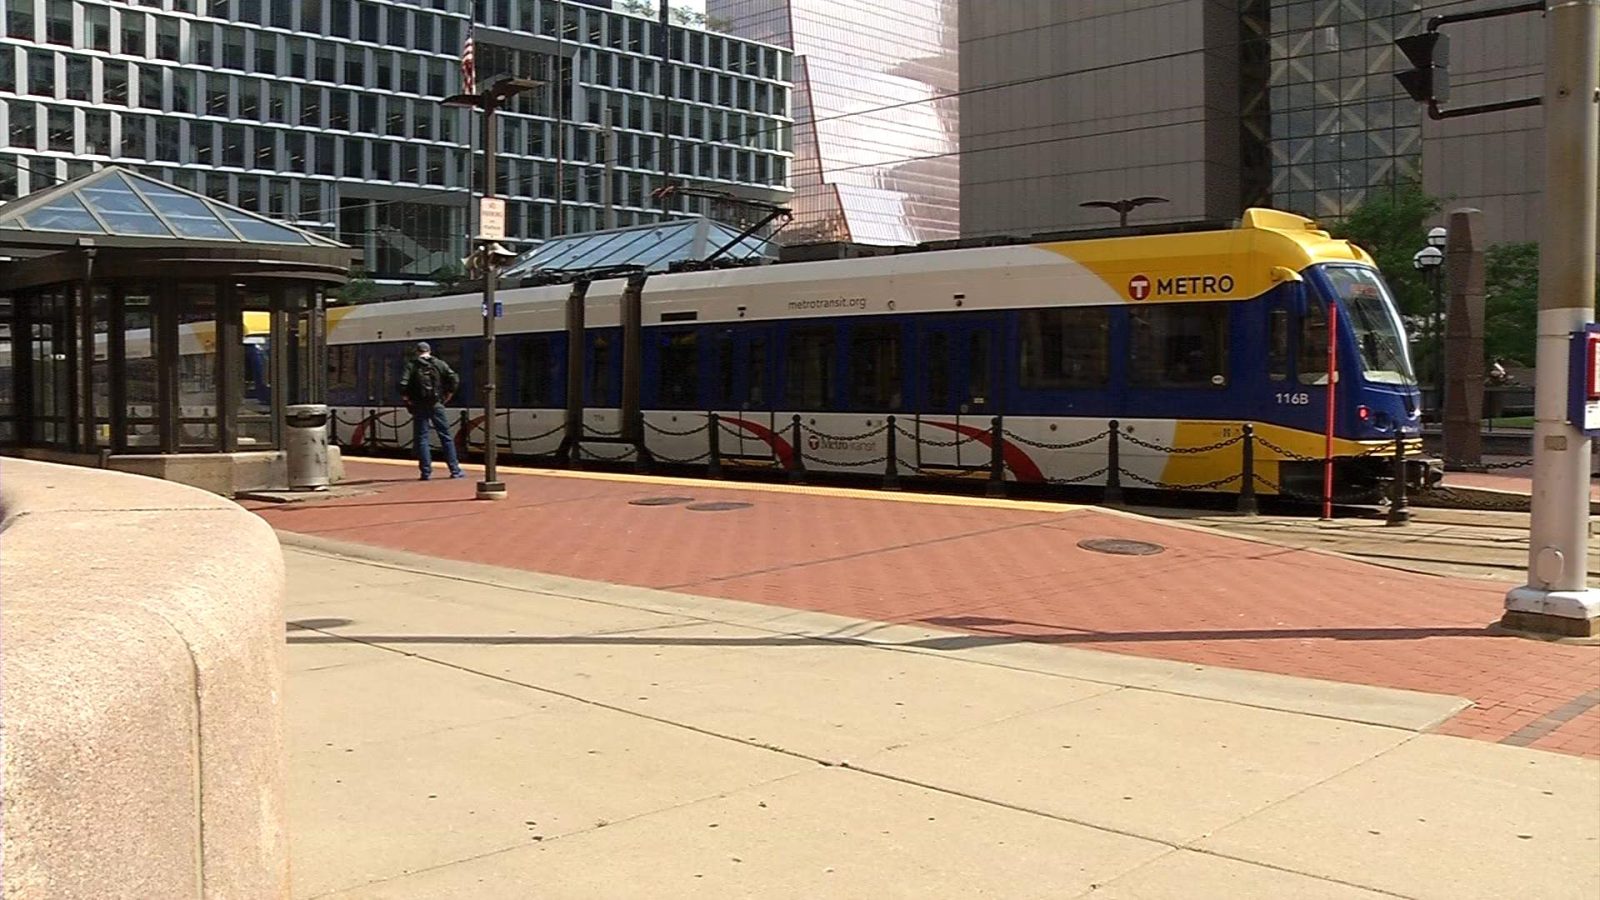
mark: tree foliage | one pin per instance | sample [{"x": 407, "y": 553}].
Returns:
[
  {"x": 449, "y": 276},
  {"x": 1511, "y": 302},
  {"x": 359, "y": 289},
  {"x": 688, "y": 18}
]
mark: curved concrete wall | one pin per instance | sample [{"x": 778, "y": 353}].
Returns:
[{"x": 142, "y": 676}]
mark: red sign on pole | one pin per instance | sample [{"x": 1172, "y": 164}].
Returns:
[{"x": 1139, "y": 287}]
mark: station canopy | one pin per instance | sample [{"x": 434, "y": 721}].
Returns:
[
  {"x": 119, "y": 203},
  {"x": 654, "y": 247}
]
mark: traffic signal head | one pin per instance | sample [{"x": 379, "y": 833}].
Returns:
[{"x": 1429, "y": 78}]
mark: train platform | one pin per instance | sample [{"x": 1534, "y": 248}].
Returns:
[
  {"x": 467, "y": 732},
  {"x": 989, "y": 573}
]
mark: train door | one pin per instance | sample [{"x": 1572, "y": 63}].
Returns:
[
  {"x": 742, "y": 391},
  {"x": 960, "y": 376}
]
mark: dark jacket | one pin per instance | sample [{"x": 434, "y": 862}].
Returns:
[{"x": 449, "y": 381}]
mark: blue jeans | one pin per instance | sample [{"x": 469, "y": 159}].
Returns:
[{"x": 424, "y": 420}]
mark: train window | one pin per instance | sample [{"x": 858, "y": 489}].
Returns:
[
  {"x": 386, "y": 387},
  {"x": 875, "y": 367},
  {"x": 937, "y": 359},
  {"x": 599, "y": 370},
  {"x": 756, "y": 374},
  {"x": 680, "y": 370},
  {"x": 342, "y": 367},
  {"x": 810, "y": 368},
  {"x": 724, "y": 372},
  {"x": 1278, "y": 344},
  {"x": 1179, "y": 345},
  {"x": 1313, "y": 362},
  {"x": 1066, "y": 348},
  {"x": 535, "y": 378}
]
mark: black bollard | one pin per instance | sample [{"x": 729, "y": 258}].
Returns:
[
  {"x": 797, "y": 470},
  {"x": 1247, "y": 488},
  {"x": 1399, "y": 508},
  {"x": 1113, "y": 495},
  {"x": 891, "y": 466},
  {"x": 714, "y": 427},
  {"x": 997, "y": 458}
]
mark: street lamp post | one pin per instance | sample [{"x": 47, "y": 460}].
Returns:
[
  {"x": 490, "y": 100},
  {"x": 1430, "y": 261},
  {"x": 1123, "y": 206}
]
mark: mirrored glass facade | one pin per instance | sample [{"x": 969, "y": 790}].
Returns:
[
  {"x": 328, "y": 113},
  {"x": 876, "y": 158},
  {"x": 1341, "y": 124}
]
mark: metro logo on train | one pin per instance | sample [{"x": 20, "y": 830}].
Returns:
[{"x": 1180, "y": 286}]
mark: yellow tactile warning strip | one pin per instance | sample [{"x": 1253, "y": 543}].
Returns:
[{"x": 767, "y": 487}]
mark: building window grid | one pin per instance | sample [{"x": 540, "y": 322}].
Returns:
[
  {"x": 135, "y": 30},
  {"x": 1340, "y": 123}
]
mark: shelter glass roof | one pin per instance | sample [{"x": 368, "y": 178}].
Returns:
[
  {"x": 123, "y": 203},
  {"x": 651, "y": 248}
]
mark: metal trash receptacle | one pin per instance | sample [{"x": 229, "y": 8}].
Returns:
[{"x": 305, "y": 444}]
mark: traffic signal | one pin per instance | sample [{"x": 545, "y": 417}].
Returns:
[{"x": 1429, "y": 79}]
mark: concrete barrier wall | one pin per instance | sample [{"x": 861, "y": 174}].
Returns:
[{"x": 141, "y": 690}]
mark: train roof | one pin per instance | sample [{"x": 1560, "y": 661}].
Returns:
[{"x": 1265, "y": 248}]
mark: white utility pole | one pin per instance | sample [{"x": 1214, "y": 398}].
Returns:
[{"x": 1557, "y": 597}]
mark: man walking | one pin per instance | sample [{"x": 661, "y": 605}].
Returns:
[{"x": 427, "y": 384}]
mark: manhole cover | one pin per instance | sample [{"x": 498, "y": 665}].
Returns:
[
  {"x": 719, "y": 506},
  {"x": 658, "y": 501},
  {"x": 1120, "y": 546}
]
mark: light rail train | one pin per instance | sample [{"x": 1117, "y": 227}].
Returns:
[{"x": 1181, "y": 339}]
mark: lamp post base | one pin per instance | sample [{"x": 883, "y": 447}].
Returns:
[
  {"x": 1566, "y": 613},
  {"x": 491, "y": 490}
]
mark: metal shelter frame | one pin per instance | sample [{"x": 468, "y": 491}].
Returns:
[{"x": 119, "y": 293}]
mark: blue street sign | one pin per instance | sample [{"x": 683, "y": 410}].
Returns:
[{"x": 499, "y": 310}]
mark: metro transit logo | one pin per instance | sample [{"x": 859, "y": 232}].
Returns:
[{"x": 1140, "y": 287}]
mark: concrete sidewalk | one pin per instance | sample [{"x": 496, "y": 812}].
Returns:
[{"x": 463, "y": 731}]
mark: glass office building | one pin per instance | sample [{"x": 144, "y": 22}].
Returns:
[
  {"x": 877, "y": 133},
  {"x": 1341, "y": 124},
  {"x": 328, "y": 113}
]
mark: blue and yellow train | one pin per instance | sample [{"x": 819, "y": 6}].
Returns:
[{"x": 1181, "y": 338}]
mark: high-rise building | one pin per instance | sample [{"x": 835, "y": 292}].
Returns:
[
  {"x": 1217, "y": 105},
  {"x": 328, "y": 113},
  {"x": 1068, "y": 103},
  {"x": 877, "y": 126},
  {"x": 1340, "y": 123}
]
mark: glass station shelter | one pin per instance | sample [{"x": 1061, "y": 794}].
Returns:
[{"x": 149, "y": 328}]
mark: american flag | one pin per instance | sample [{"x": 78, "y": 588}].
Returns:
[{"x": 469, "y": 69}]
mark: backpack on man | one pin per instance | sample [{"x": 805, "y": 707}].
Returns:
[{"x": 426, "y": 382}]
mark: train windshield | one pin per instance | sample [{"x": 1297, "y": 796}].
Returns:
[{"x": 1376, "y": 324}]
